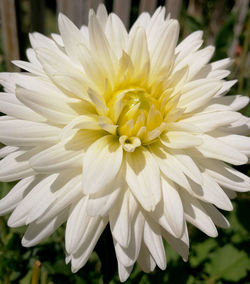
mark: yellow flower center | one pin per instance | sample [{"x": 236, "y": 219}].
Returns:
[{"x": 138, "y": 116}]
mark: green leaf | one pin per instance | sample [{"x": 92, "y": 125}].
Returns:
[
  {"x": 201, "y": 251},
  {"x": 27, "y": 278},
  {"x": 227, "y": 263},
  {"x": 193, "y": 23}
]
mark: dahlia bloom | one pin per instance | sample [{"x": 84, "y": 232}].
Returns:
[{"x": 125, "y": 129}]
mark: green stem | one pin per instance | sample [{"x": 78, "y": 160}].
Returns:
[
  {"x": 44, "y": 277},
  {"x": 210, "y": 280},
  {"x": 6, "y": 279},
  {"x": 36, "y": 272}
]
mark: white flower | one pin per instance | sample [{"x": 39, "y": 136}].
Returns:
[{"x": 123, "y": 129}]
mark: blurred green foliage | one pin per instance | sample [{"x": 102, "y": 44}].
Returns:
[{"x": 221, "y": 260}]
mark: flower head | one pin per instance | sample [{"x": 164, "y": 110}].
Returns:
[{"x": 130, "y": 130}]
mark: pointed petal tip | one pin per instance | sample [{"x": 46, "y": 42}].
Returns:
[
  {"x": 163, "y": 266},
  {"x": 68, "y": 258},
  {"x": 229, "y": 206},
  {"x": 24, "y": 242},
  {"x": 61, "y": 19},
  {"x": 212, "y": 234},
  {"x": 64, "y": 21},
  {"x": 74, "y": 269},
  {"x": 12, "y": 222},
  {"x": 102, "y": 7},
  {"x": 185, "y": 259},
  {"x": 91, "y": 14}
]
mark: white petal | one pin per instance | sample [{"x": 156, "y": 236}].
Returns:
[
  {"x": 211, "y": 192},
  {"x": 145, "y": 260},
  {"x": 218, "y": 219},
  {"x": 187, "y": 165},
  {"x": 142, "y": 21},
  {"x": 241, "y": 143},
  {"x": 190, "y": 44},
  {"x": 17, "y": 193},
  {"x": 197, "y": 93},
  {"x": 173, "y": 207},
  {"x": 180, "y": 245},
  {"x": 71, "y": 36},
  {"x": 30, "y": 67},
  {"x": 89, "y": 122},
  {"x": 6, "y": 150},
  {"x": 233, "y": 103},
  {"x": 138, "y": 51},
  {"x": 58, "y": 157},
  {"x": 107, "y": 125},
  {"x": 102, "y": 14},
  {"x": 40, "y": 40},
  {"x": 153, "y": 240},
  {"x": 7, "y": 81},
  {"x": 214, "y": 148},
  {"x": 101, "y": 163},
  {"x": 84, "y": 30},
  {"x": 68, "y": 153},
  {"x": 231, "y": 194},
  {"x": 159, "y": 216},
  {"x": 177, "y": 80},
  {"x": 169, "y": 166},
  {"x": 226, "y": 86},
  {"x": 124, "y": 271},
  {"x": 55, "y": 61},
  {"x": 100, "y": 47},
  {"x": 196, "y": 60},
  {"x": 180, "y": 140},
  {"x": 16, "y": 166},
  {"x": 222, "y": 64},
  {"x": 127, "y": 256},
  {"x": 50, "y": 194},
  {"x": 163, "y": 53},
  {"x": 76, "y": 224},
  {"x": 40, "y": 188},
  {"x": 75, "y": 85},
  {"x": 196, "y": 215},
  {"x": 119, "y": 221},
  {"x": 155, "y": 27},
  {"x": 211, "y": 71},
  {"x": 203, "y": 56},
  {"x": 100, "y": 203},
  {"x": 242, "y": 122},
  {"x": 143, "y": 178},
  {"x": 58, "y": 39},
  {"x": 50, "y": 105},
  {"x": 98, "y": 102},
  {"x": 38, "y": 232},
  {"x": 11, "y": 106},
  {"x": 31, "y": 55},
  {"x": 116, "y": 34},
  {"x": 226, "y": 176},
  {"x": 80, "y": 257},
  {"x": 207, "y": 121},
  {"x": 68, "y": 194},
  {"x": 26, "y": 133}
]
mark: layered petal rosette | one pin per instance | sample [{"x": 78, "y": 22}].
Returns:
[{"x": 129, "y": 130}]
